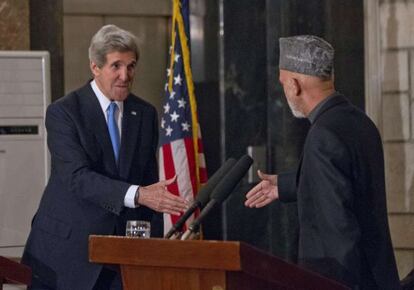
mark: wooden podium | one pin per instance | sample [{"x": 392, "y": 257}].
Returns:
[
  {"x": 12, "y": 272},
  {"x": 159, "y": 264}
]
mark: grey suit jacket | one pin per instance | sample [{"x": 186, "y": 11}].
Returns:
[{"x": 86, "y": 189}]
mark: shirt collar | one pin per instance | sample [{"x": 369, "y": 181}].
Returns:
[
  {"x": 315, "y": 112},
  {"x": 103, "y": 100}
]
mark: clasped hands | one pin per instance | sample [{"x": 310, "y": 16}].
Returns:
[
  {"x": 264, "y": 192},
  {"x": 157, "y": 197}
]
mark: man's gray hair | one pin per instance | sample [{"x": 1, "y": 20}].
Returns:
[{"x": 111, "y": 38}]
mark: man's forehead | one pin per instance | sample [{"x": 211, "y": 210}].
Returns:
[{"x": 121, "y": 56}]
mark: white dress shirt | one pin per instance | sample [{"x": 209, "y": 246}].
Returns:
[{"x": 129, "y": 200}]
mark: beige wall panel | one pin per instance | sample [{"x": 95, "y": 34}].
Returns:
[
  {"x": 395, "y": 68},
  {"x": 397, "y": 24},
  {"x": 399, "y": 158},
  {"x": 393, "y": 27},
  {"x": 405, "y": 262},
  {"x": 78, "y": 31},
  {"x": 396, "y": 117},
  {"x": 120, "y": 7},
  {"x": 412, "y": 117},
  {"x": 152, "y": 35},
  {"x": 402, "y": 230},
  {"x": 411, "y": 73}
]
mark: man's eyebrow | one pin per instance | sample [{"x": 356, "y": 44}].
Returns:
[{"x": 119, "y": 61}]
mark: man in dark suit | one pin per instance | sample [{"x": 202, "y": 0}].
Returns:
[
  {"x": 103, "y": 142},
  {"x": 339, "y": 185}
]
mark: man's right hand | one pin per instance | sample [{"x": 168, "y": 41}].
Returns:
[
  {"x": 263, "y": 193},
  {"x": 157, "y": 197}
]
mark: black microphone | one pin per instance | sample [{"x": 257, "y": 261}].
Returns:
[
  {"x": 202, "y": 197},
  {"x": 222, "y": 191}
]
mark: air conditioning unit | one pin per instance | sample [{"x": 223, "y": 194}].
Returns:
[{"x": 24, "y": 159}]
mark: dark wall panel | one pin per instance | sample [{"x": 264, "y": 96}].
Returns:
[{"x": 46, "y": 33}]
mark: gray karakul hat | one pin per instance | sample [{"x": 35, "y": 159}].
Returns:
[{"x": 306, "y": 54}]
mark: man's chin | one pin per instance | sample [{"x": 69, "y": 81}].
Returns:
[
  {"x": 297, "y": 114},
  {"x": 120, "y": 96}
]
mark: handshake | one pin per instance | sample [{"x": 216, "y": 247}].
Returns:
[{"x": 217, "y": 189}]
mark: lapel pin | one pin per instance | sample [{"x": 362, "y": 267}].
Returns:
[{"x": 133, "y": 113}]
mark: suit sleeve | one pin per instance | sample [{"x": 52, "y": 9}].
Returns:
[
  {"x": 286, "y": 183},
  {"x": 151, "y": 168},
  {"x": 74, "y": 167},
  {"x": 326, "y": 175}
]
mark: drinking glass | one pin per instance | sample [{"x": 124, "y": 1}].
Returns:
[{"x": 138, "y": 229}]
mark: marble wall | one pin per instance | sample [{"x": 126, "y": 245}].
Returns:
[{"x": 14, "y": 25}]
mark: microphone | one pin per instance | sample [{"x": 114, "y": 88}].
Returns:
[
  {"x": 222, "y": 191},
  {"x": 202, "y": 197}
]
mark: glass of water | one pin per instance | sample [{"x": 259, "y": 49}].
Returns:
[{"x": 138, "y": 229}]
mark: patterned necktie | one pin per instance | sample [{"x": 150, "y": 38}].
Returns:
[{"x": 113, "y": 129}]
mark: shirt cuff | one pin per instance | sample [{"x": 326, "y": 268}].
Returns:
[{"x": 129, "y": 200}]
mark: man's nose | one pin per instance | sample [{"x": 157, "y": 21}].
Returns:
[{"x": 123, "y": 74}]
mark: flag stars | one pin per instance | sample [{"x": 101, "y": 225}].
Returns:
[
  {"x": 172, "y": 95},
  {"x": 166, "y": 108},
  {"x": 168, "y": 131},
  {"x": 186, "y": 126},
  {"x": 174, "y": 116},
  {"x": 178, "y": 80},
  {"x": 166, "y": 87},
  {"x": 168, "y": 72},
  {"x": 176, "y": 57},
  {"x": 162, "y": 123},
  {"x": 181, "y": 103}
]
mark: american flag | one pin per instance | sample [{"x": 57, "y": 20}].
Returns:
[{"x": 181, "y": 149}]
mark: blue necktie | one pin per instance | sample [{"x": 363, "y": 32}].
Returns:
[{"x": 113, "y": 129}]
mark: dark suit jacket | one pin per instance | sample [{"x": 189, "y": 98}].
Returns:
[
  {"x": 85, "y": 193},
  {"x": 340, "y": 191}
]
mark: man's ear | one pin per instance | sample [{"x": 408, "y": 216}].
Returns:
[
  {"x": 94, "y": 69},
  {"x": 294, "y": 86},
  {"x": 298, "y": 88}
]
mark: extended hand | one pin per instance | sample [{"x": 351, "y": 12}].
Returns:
[
  {"x": 157, "y": 197},
  {"x": 263, "y": 193}
]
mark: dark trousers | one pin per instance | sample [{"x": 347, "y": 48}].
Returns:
[{"x": 107, "y": 280}]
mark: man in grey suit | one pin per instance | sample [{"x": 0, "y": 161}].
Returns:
[
  {"x": 103, "y": 142},
  {"x": 339, "y": 186}
]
